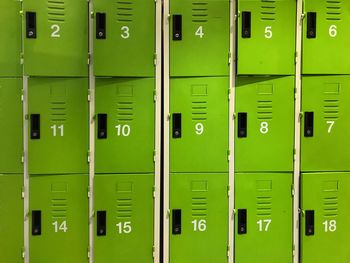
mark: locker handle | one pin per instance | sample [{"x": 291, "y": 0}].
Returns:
[
  {"x": 246, "y": 24},
  {"x": 242, "y": 124},
  {"x": 176, "y": 218},
  {"x": 100, "y": 25},
  {"x": 101, "y": 223},
  {"x": 177, "y": 27},
  {"x": 31, "y": 24},
  {"x": 102, "y": 126},
  {"x": 177, "y": 125},
  {"x": 35, "y": 126},
  {"x": 309, "y": 124},
  {"x": 311, "y": 24},
  {"x": 242, "y": 221},
  {"x": 309, "y": 222},
  {"x": 36, "y": 223}
]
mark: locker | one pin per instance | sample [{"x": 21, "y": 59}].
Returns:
[
  {"x": 58, "y": 125},
  {"x": 10, "y": 45},
  {"x": 11, "y": 125},
  {"x": 125, "y": 125},
  {"x": 325, "y": 124},
  {"x": 264, "y": 124},
  {"x": 124, "y": 218},
  {"x": 266, "y": 37},
  {"x": 326, "y": 37},
  {"x": 325, "y": 217},
  {"x": 124, "y": 38},
  {"x": 58, "y": 218},
  {"x": 263, "y": 229},
  {"x": 199, "y": 124},
  {"x": 55, "y": 38},
  {"x": 199, "y": 38},
  {"x": 199, "y": 217},
  {"x": 11, "y": 218}
]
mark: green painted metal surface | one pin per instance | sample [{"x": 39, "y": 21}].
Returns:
[
  {"x": 327, "y": 194},
  {"x": 269, "y": 104},
  {"x": 63, "y": 202},
  {"x": 11, "y": 218},
  {"x": 63, "y": 107},
  {"x": 129, "y": 105},
  {"x": 328, "y": 52},
  {"x": 61, "y": 45},
  {"x": 270, "y": 49},
  {"x": 10, "y": 44},
  {"x": 11, "y": 125},
  {"x": 203, "y": 105},
  {"x": 328, "y": 97},
  {"x": 267, "y": 199},
  {"x": 204, "y": 48},
  {"x": 203, "y": 201},
  {"x": 128, "y": 202},
  {"x": 129, "y": 45}
]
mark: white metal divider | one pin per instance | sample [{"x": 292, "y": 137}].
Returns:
[{"x": 297, "y": 115}]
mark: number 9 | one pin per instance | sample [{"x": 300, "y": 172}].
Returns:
[{"x": 199, "y": 128}]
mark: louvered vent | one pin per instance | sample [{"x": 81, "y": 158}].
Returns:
[
  {"x": 268, "y": 10},
  {"x": 334, "y": 10},
  {"x": 125, "y": 11},
  {"x": 200, "y": 12},
  {"x": 56, "y": 11}
]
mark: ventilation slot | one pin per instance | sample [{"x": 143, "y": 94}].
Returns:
[
  {"x": 334, "y": 11},
  {"x": 125, "y": 111},
  {"x": 125, "y": 12},
  {"x": 331, "y": 109},
  {"x": 268, "y": 10},
  {"x": 55, "y": 10},
  {"x": 263, "y": 206},
  {"x": 330, "y": 206},
  {"x": 59, "y": 208},
  {"x": 58, "y": 111},
  {"x": 199, "y": 207},
  {"x": 200, "y": 12},
  {"x": 124, "y": 208},
  {"x": 199, "y": 110},
  {"x": 264, "y": 110}
]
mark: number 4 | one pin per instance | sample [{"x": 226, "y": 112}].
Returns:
[{"x": 200, "y": 32}]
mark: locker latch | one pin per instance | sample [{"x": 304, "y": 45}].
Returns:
[
  {"x": 309, "y": 222},
  {"x": 176, "y": 125},
  {"x": 309, "y": 124},
  {"x": 31, "y": 24},
  {"x": 246, "y": 24},
  {"x": 102, "y": 126},
  {"x": 242, "y": 124},
  {"x": 35, "y": 126},
  {"x": 176, "y": 218},
  {"x": 101, "y": 223},
  {"x": 177, "y": 27},
  {"x": 242, "y": 221},
  {"x": 100, "y": 25},
  {"x": 311, "y": 24},
  {"x": 36, "y": 223}
]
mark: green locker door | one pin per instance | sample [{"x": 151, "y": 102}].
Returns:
[
  {"x": 11, "y": 125},
  {"x": 55, "y": 37},
  {"x": 124, "y": 218},
  {"x": 10, "y": 44},
  {"x": 124, "y": 38},
  {"x": 58, "y": 125},
  {"x": 199, "y": 37},
  {"x": 266, "y": 37},
  {"x": 11, "y": 218},
  {"x": 125, "y": 125},
  {"x": 58, "y": 218},
  {"x": 264, "y": 124},
  {"x": 199, "y": 218},
  {"x": 199, "y": 124},
  {"x": 325, "y": 126},
  {"x": 263, "y": 227},
  {"x": 325, "y": 228},
  {"x": 326, "y": 37}
]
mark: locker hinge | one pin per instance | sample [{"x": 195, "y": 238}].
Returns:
[
  {"x": 23, "y": 192},
  {"x": 154, "y": 191},
  {"x": 26, "y": 117},
  {"x": 22, "y": 58},
  {"x": 168, "y": 117},
  {"x": 23, "y": 157},
  {"x": 229, "y": 58},
  {"x": 301, "y": 116},
  {"x": 155, "y": 95},
  {"x": 88, "y": 252},
  {"x": 228, "y": 155},
  {"x": 155, "y": 59},
  {"x": 168, "y": 214},
  {"x": 88, "y": 157},
  {"x": 228, "y": 251},
  {"x": 23, "y": 252},
  {"x": 228, "y": 190},
  {"x": 153, "y": 252},
  {"x": 234, "y": 211},
  {"x": 234, "y": 116},
  {"x": 92, "y": 15},
  {"x": 89, "y": 192},
  {"x": 22, "y": 95},
  {"x": 89, "y": 59},
  {"x": 154, "y": 156},
  {"x": 293, "y": 190},
  {"x": 89, "y": 95},
  {"x": 296, "y": 57}
]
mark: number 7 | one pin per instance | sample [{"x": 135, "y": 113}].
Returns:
[{"x": 331, "y": 123}]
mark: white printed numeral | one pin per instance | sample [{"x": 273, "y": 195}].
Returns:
[
  {"x": 268, "y": 32},
  {"x": 57, "y": 127},
  {"x": 261, "y": 223},
  {"x": 124, "y": 227},
  {"x": 333, "y": 31},
  {"x": 330, "y": 123},
  {"x": 199, "y": 225},
  {"x": 200, "y": 32},
  {"x": 123, "y": 130},
  {"x": 264, "y": 127},
  {"x": 199, "y": 128},
  {"x": 55, "y": 31},
  {"x": 62, "y": 227},
  {"x": 126, "y": 32},
  {"x": 330, "y": 225}
]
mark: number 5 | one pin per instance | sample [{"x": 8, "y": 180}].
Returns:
[{"x": 268, "y": 32}]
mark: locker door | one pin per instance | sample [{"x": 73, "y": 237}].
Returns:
[
  {"x": 266, "y": 37},
  {"x": 58, "y": 130},
  {"x": 264, "y": 124},
  {"x": 56, "y": 38}
]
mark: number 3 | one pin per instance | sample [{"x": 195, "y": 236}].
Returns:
[{"x": 126, "y": 33}]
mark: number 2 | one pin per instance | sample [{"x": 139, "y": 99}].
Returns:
[{"x": 56, "y": 29}]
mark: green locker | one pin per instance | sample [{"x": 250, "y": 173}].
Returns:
[
  {"x": 11, "y": 125},
  {"x": 55, "y": 37},
  {"x": 58, "y": 125},
  {"x": 124, "y": 218},
  {"x": 58, "y": 218},
  {"x": 10, "y": 45},
  {"x": 199, "y": 38},
  {"x": 325, "y": 125},
  {"x": 11, "y": 218},
  {"x": 199, "y": 217},
  {"x": 264, "y": 124},
  {"x": 199, "y": 124},
  {"x": 325, "y": 217},
  {"x": 125, "y": 125},
  {"x": 124, "y": 38},
  {"x": 326, "y": 37},
  {"x": 263, "y": 217},
  {"x": 266, "y": 37}
]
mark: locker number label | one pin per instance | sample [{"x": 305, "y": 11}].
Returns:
[
  {"x": 264, "y": 127},
  {"x": 200, "y": 32},
  {"x": 330, "y": 125},
  {"x": 125, "y": 32},
  {"x": 268, "y": 32},
  {"x": 264, "y": 225},
  {"x": 199, "y": 128},
  {"x": 124, "y": 227},
  {"x": 55, "y": 31},
  {"x": 330, "y": 225},
  {"x": 123, "y": 130},
  {"x": 333, "y": 31},
  {"x": 199, "y": 225},
  {"x": 57, "y": 130},
  {"x": 60, "y": 227}
]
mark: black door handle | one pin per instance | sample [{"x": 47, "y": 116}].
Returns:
[
  {"x": 100, "y": 25},
  {"x": 309, "y": 222},
  {"x": 242, "y": 221},
  {"x": 36, "y": 223},
  {"x": 176, "y": 217},
  {"x": 177, "y": 125},
  {"x": 311, "y": 24},
  {"x": 242, "y": 124},
  {"x": 101, "y": 223},
  {"x": 246, "y": 24},
  {"x": 31, "y": 24},
  {"x": 177, "y": 27},
  {"x": 102, "y": 126},
  {"x": 309, "y": 124},
  {"x": 35, "y": 126}
]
